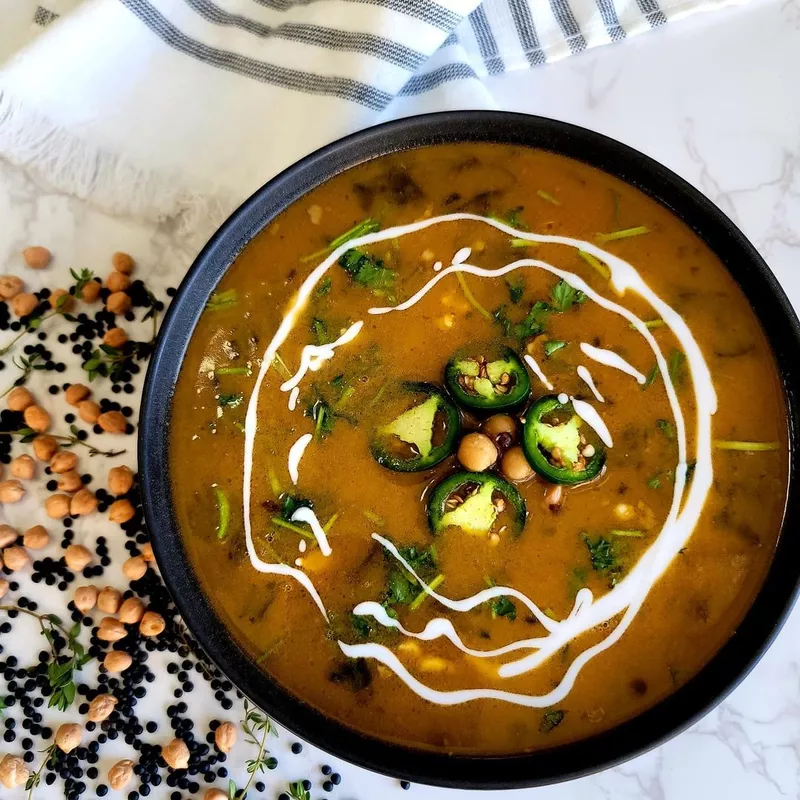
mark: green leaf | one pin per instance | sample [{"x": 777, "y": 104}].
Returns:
[
  {"x": 324, "y": 287},
  {"x": 320, "y": 331},
  {"x": 601, "y": 553},
  {"x": 230, "y": 400},
  {"x": 516, "y": 289},
  {"x": 651, "y": 376},
  {"x": 675, "y": 366},
  {"x": 667, "y": 428},
  {"x": 504, "y": 607},
  {"x": 565, "y": 296},
  {"x": 553, "y": 346},
  {"x": 550, "y": 720},
  {"x": 366, "y": 270}
]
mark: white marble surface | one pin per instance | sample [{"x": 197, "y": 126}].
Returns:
[{"x": 716, "y": 99}]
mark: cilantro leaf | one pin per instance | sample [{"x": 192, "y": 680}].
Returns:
[
  {"x": 551, "y": 719},
  {"x": 565, "y": 296},
  {"x": 553, "y": 346},
  {"x": 504, "y": 607},
  {"x": 601, "y": 554},
  {"x": 367, "y": 270}
]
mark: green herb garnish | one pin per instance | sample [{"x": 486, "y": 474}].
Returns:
[
  {"x": 550, "y": 720},
  {"x": 547, "y": 197},
  {"x": 675, "y": 366},
  {"x": 230, "y": 400},
  {"x": 320, "y": 330},
  {"x": 222, "y": 300},
  {"x": 601, "y": 554},
  {"x": 504, "y": 607},
  {"x": 223, "y": 512},
  {"x": 746, "y": 447},
  {"x": 367, "y": 270},
  {"x": 532, "y": 325},
  {"x": 516, "y": 289},
  {"x": 595, "y": 263},
  {"x": 361, "y": 229},
  {"x": 667, "y": 428},
  {"x": 639, "y": 230},
  {"x": 553, "y": 346},
  {"x": 324, "y": 287},
  {"x": 565, "y": 296}
]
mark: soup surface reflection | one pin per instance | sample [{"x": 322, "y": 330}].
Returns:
[{"x": 496, "y": 479}]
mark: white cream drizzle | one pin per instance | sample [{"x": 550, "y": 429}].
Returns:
[
  {"x": 462, "y": 255},
  {"x": 611, "y": 359},
  {"x": 305, "y": 514},
  {"x": 296, "y": 452},
  {"x": 627, "y": 597},
  {"x": 293, "y": 396},
  {"x": 587, "y": 378},
  {"x": 588, "y": 413},
  {"x": 537, "y": 371}
]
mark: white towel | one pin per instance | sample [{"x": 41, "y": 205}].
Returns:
[{"x": 163, "y": 107}]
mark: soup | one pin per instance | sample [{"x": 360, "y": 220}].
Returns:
[{"x": 477, "y": 448}]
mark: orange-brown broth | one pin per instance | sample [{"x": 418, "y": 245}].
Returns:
[{"x": 688, "y": 614}]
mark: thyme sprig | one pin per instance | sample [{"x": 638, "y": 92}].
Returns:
[
  {"x": 112, "y": 362},
  {"x": 26, "y": 366},
  {"x": 60, "y": 674},
  {"x": 28, "y": 435},
  {"x": 299, "y": 792},
  {"x": 36, "y": 777},
  {"x": 257, "y": 728}
]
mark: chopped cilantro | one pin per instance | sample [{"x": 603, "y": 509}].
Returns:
[
  {"x": 651, "y": 376},
  {"x": 551, "y": 719},
  {"x": 532, "y": 325},
  {"x": 601, "y": 554},
  {"x": 547, "y": 197},
  {"x": 324, "y": 419},
  {"x": 402, "y": 586},
  {"x": 324, "y": 287},
  {"x": 503, "y": 607},
  {"x": 320, "y": 330},
  {"x": 675, "y": 366},
  {"x": 515, "y": 290},
  {"x": 230, "y": 400},
  {"x": 553, "y": 346},
  {"x": 367, "y": 270},
  {"x": 361, "y": 626},
  {"x": 667, "y": 428},
  {"x": 565, "y": 296},
  {"x": 654, "y": 482}
]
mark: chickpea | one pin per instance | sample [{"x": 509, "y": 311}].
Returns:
[
  {"x": 57, "y": 506},
  {"x": 45, "y": 447},
  {"x": 89, "y": 411},
  {"x": 24, "y": 304},
  {"x": 225, "y": 737},
  {"x": 63, "y": 462},
  {"x": 37, "y": 257},
  {"x": 147, "y": 552},
  {"x": 77, "y": 392},
  {"x": 85, "y": 598},
  {"x": 499, "y": 424},
  {"x": 477, "y": 452},
  {"x": 112, "y": 422},
  {"x": 117, "y": 661},
  {"x": 36, "y": 418},
  {"x": 68, "y": 737},
  {"x": 77, "y": 557},
  {"x": 120, "y": 775},
  {"x": 111, "y": 630},
  {"x": 131, "y": 611},
  {"x": 109, "y": 600},
  {"x": 118, "y": 303},
  {"x": 215, "y": 794},
  {"x": 36, "y": 538},
  {"x": 176, "y": 754},
  {"x": 90, "y": 291},
  {"x": 121, "y": 511},
  {"x": 56, "y": 303},
  {"x": 15, "y": 557},
  {"x": 101, "y": 707},
  {"x": 152, "y": 624},
  {"x": 83, "y": 502},
  {"x": 115, "y": 337},
  {"x": 515, "y": 466},
  {"x": 13, "y": 772},
  {"x": 4, "y": 585},
  {"x": 117, "y": 282},
  {"x": 11, "y": 491},
  {"x": 10, "y": 286},
  {"x": 120, "y": 480},
  {"x": 69, "y": 481},
  {"x": 134, "y": 568},
  {"x": 8, "y": 535},
  {"x": 19, "y": 399},
  {"x": 23, "y": 467},
  {"x": 122, "y": 262}
]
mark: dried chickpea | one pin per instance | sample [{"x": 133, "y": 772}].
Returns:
[
  {"x": 13, "y": 772},
  {"x": 76, "y": 392},
  {"x": 68, "y": 737},
  {"x": 23, "y": 467},
  {"x": 152, "y": 624},
  {"x": 112, "y": 422},
  {"x": 117, "y": 281},
  {"x": 15, "y": 557},
  {"x": 147, "y": 552},
  {"x": 477, "y": 452},
  {"x": 24, "y": 303},
  {"x": 63, "y": 462},
  {"x": 225, "y": 737},
  {"x": 515, "y": 466},
  {"x": 120, "y": 480},
  {"x": 134, "y": 568},
  {"x": 176, "y": 754},
  {"x": 119, "y": 776},
  {"x": 19, "y": 399},
  {"x": 117, "y": 661},
  {"x": 115, "y": 337},
  {"x": 4, "y": 584},
  {"x": 111, "y": 630},
  {"x": 85, "y": 598},
  {"x": 131, "y": 611},
  {"x": 56, "y": 302},
  {"x": 77, "y": 557},
  {"x": 8, "y": 535},
  {"x": 118, "y": 303},
  {"x": 57, "y": 506},
  {"x": 498, "y": 425},
  {"x": 121, "y": 511},
  {"x": 36, "y": 418},
  {"x": 36, "y": 256},
  {"x": 10, "y": 286},
  {"x": 36, "y": 538},
  {"x": 45, "y": 447},
  {"x": 215, "y": 794},
  {"x": 89, "y": 411},
  {"x": 11, "y": 491},
  {"x": 122, "y": 262},
  {"x": 101, "y": 707},
  {"x": 83, "y": 502},
  {"x": 90, "y": 291},
  {"x": 69, "y": 481},
  {"x": 109, "y": 600}
]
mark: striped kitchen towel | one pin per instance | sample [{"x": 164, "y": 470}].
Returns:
[{"x": 165, "y": 107}]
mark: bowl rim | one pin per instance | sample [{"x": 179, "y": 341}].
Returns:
[{"x": 669, "y": 716}]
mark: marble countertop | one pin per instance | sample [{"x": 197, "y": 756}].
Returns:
[{"x": 715, "y": 98}]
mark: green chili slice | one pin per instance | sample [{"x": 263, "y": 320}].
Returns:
[
  {"x": 223, "y": 511},
  {"x": 487, "y": 378},
  {"x": 558, "y": 445}
]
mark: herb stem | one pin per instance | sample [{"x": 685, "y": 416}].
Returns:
[
  {"x": 420, "y": 598},
  {"x": 282, "y": 523},
  {"x": 35, "y": 779},
  {"x": 68, "y": 441},
  {"x": 746, "y": 447},
  {"x": 224, "y": 512},
  {"x": 627, "y": 233},
  {"x": 547, "y": 197},
  {"x": 595, "y": 263},
  {"x": 232, "y": 371},
  {"x": 280, "y": 366},
  {"x": 471, "y": 297},
  {"x": 516, "y": 242}
]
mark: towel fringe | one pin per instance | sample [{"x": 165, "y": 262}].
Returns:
[{"x": 67, "y": 163}]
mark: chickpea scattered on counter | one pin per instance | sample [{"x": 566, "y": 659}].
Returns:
[
  {"x": 23, "y": 467},
  {"x": 131, "y": 611},
  {"x": 45, "y": 447},
  {"x": 36, "y": 418},
  {"x": 24, "y": 303},
  {"x": 76, "y": 392},
  {"x": 121, "y": 511},
  {"x": 68, "y": 737},
  {"x": 77, "y": 557},
  {"x": 83, "y": 502},
  {"x": 152, "y": 624},
  {"x": 109, "y": 600},
  {"x": 19, "y": 399},
  {"x": 117, "y": 281},
  {"x": 69, "y": 481},
  {"x": 115, "y": 337},
  {"x": 89, "y": 411},
  {"x": 57, "y": 506},
  {"x": 56, "y": 302},
  {"x": 10, "y": 286},
  {"x": 122, "y": 262},
  {"x": 101, "y": 707},
  {"x": 63, "y": 462},
  {"x": 120, "y": 775},
  {"x": 11, "y": 491},
  {"x": 8, "y": 535},
  {"x": 225, "y": 737},
  {"x": 118, "y": 303},
  {"x": 36, "y": 538},
  {"x": 134, "y": 568},
  {"x": 90, "y": 291},
  {"x": 112, "y": 422},
  {"x": 111, "y": 630},
  {"x": 120, "y": 480},
  {"x": 117, "y": 661},
  {"x": 37, "y": 257},
  {"x": 15, "y": 557},
  {"x": 176, "y": 754},
  {"x": 85, "y": 598}
]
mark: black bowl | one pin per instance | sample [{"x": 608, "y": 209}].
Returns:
[{"x": 670, "y": 716}]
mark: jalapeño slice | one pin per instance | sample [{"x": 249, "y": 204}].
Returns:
[
  {"x": 487, "y": 378},
  {"x": 477, "y": 503},
  {"x": 422, "y": 435},
  {"x": 558, "y": 445}
]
